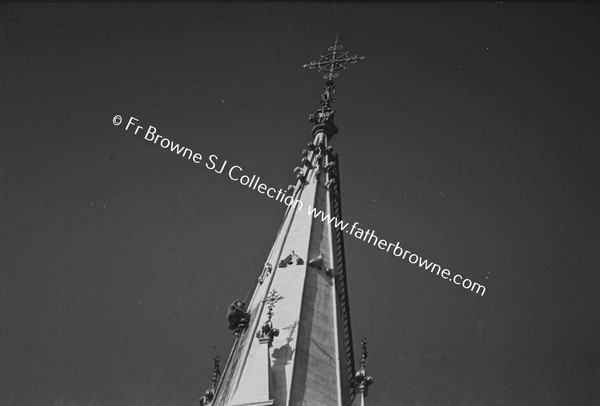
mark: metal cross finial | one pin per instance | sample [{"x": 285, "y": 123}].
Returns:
[
  {"x": 361, "y": 381},
  {"x": 271, "y": 300},
  {"x": 267, "y": 332},
  {"x": 333, "y": 61}
]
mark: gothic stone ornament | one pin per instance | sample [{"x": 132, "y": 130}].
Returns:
[
  {"x": 267, "y": 332},
  {"x": 238, "y": 317},
  {"x": 361, "y": 381},
  {"x": 330, "y": 165},
  {"x": 210, "y": 392},
  {"x": 319, "y": 263},
  {"x": 265, "y": 273},
  {"x": 207, "y": 398},
  {"x": 290, "y": 259}
]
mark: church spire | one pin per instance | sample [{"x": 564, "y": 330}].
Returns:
[{"x": 309, "y": 358}]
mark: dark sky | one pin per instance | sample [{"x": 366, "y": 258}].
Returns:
[{"x": 469, "y": 134}]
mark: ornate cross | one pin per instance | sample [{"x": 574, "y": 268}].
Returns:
[
  {"x": 273, "y": 298},
  {"x": 267, "y": 332},
  {"x": 330, "y": 63},
  {"x": 333, "y": 61}
]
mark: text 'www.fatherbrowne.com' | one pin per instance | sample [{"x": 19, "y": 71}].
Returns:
[{"x": 236, "y": 174}]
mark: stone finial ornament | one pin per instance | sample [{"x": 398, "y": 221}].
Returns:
[
  {"x": 210, "y": 392},
  {"x": 330, "y": 165},
  {"x": 265, "y": 273},
  {"x": 267, "y": 332}
]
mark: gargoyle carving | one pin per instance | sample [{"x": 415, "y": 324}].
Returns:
[
  {"x": 290, "y": 259},
  {"x": 265, "y": 273},
  {"x": 329, "y": 183},
  {"x": 238, "y": 317},
  {"x": 319, "y": 263}
]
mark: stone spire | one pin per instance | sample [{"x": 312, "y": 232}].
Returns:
[{"x": 302, "y": 353}]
